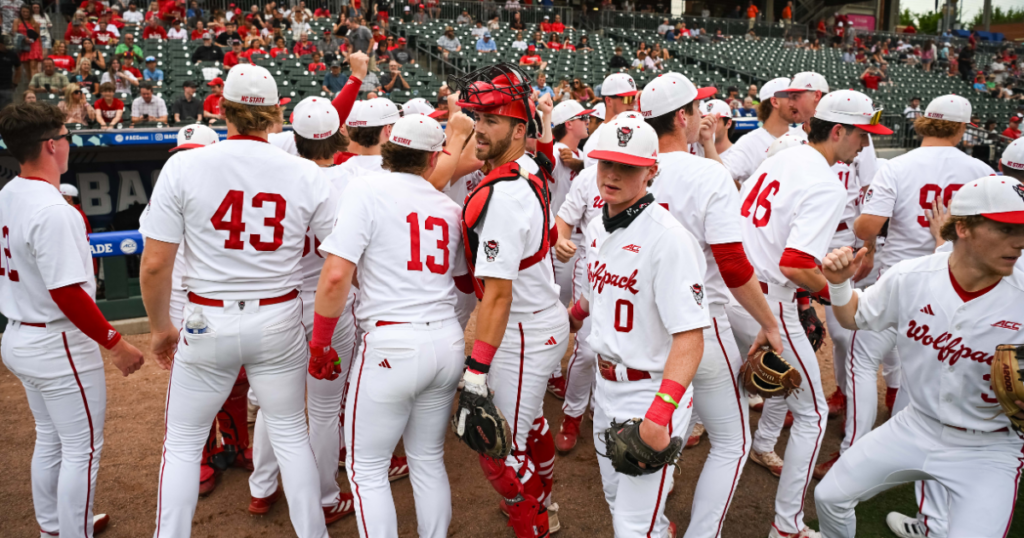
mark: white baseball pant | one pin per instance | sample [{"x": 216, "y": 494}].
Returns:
[
  {"x": 402, "y": 385},
  {"x": 270, "y": 342},
  {"x": 868, "y": 349},
  {"x": 323, "y": 406},
  {"x": 581, "y": 372},
  {"x": 809, "y": 408},
  {"x": 932, "y": 497},
  {"x": 981, "y": 471},
  {"x": 637, "y": 503},
  {"x": 721, "y": 401},
  {"x": 841, "y": 338},
  {"x": 62, "y": 373}
]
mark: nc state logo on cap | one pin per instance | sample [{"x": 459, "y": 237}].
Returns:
[
  {"x": 188, "y": 133},
  {"x": 1019, "y": 189},
  {"x": 625, "y": 134}
]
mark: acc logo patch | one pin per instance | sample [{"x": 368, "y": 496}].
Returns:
[
  {"x": 698, "y": 294},
  {"x": 491, "y": 250},
  {"x": 625, "y": 134}
]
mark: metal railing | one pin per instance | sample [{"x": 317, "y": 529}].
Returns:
[
  {"x": 650, "y": 21},
  {"x": 487, "y": 9}
]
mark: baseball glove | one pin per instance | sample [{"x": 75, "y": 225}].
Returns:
[
  {"x": 480, "y": 424},
  {"x": 769, "y": 375},
  {"x": 813, "y": 328},
  {"x": 627, "y": 450},
  {"x": 1008, "y": 381}
]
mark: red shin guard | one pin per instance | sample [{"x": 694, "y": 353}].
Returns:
[
  {"x": 540, "y": 447},
  {"x": 528, "y": 517}
]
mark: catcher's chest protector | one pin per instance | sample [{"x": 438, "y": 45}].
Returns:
[{"x": 476, "y": 207}]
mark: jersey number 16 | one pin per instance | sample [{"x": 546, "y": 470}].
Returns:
[{"x": 764, "y": 205}]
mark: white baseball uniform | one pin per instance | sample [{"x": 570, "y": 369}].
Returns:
[
  {"x": 457, "y": 191},
  {"x": 404, "y": 235},
  {"x": 701, "y": 195},
  {"x": 45, "y": 248},
  {"x": 591, "y": 145},
  {"x": 952, "y": 431},
  {"x": 563, "y": 182},
  {"x": 792, "y": 202},
  {"x": 243, "y": 236},
  {"x": 646, "y": 284},
  {"x": 284, "y": 140},
  {"x": 747, "y": 153}
]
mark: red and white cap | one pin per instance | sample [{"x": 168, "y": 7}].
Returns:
[
  {"x": 949, "y": 108},
  {"x": 772, "y": 87},
  {"x": 627, "y": 140},
  {"x": 195, "y": 136},
  {"x": 808, "y": 81},
  {"x": 668, "y": 92},
  {"x": 786, "y": 141},
  {"x": 618, "y": 84},
  {"x": 851, "y": 107},
  {"x": 249, "y": 84},
  {"x": 715, "y": 106},
  {"x": 998, "y": 198},
  {"x": 598, "y": 111},
  {"x": 373, "y": 113},
  {"x": 568, "y": 110},
  {"x": 420, "y": 132},
  {"x": 67, "y": 189},
  {"x": 315, "y": 118},
  {"x": 1013, "y": 155},
  {"x": 420, "y": 105}
]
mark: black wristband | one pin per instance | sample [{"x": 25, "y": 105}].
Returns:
[{"x": 473, "y": 364}]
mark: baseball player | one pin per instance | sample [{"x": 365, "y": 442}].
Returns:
[
  {"x": 646, "y": 293},
  {"x": 949, "y": 310},
  {"x": 618, "y": 93},
  {"x": 368, "y": 126},
  {"x": 723, "y": 125},
  {"x": 775, "y": 115},
  {"x": 401, "y": 232},
  {"x": 47, "y": 294},
  {"x": 790, "y": 211},
  {"x": 805, "y": 92},
  {"x": 521, "y": 330},
  {"x": 699, "y": 193},
  {"x": 244, "y": 231}
]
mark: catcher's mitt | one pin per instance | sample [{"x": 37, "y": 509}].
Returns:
[
  {"x": 813, "y": 328},
  {"x": 1008, "y": 381},
  {"x": 480, "y": 424},
  {"x": 768, "y": 375},
  {"x": 627, "y": 450}
]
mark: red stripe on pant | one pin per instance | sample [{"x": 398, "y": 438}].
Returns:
[
  {"x": 739, "y": 404},
  {"x": 92, "y": 435},
  {"x": 519, "y": 389},
  {"x": 661, "y": 487},
  {"x": 163, "y": 452},
  {"x": 920, "y": 507},
  {"x": 572, "y": 361},
  {"x": 798, "y": 524},
  {"x": 352, "y": 467}
]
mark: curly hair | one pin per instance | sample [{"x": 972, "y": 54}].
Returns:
[
  {"x": 321, "y": 149},
  {"x": 948, "y": 230},
  {"x": 365, "y": 136},
  {"x": 249, "y": 118},
  {"x": 399, "y": 158},
  {"x": 936, "y": 128}
]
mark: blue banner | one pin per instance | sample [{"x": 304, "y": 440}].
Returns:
[{"x": 107, "y": 244}]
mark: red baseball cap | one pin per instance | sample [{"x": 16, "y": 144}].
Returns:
[
  {"x": 216, "y": 82},
  {"x": 531, "y": 48}
]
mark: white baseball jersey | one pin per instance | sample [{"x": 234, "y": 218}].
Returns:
[
  {"x": 701, "y": 195},
  {"x": 906, "y": 187},
  {"x": 243, "y": 230},
  {"x": 946, "y": 345},
  {"x": 44, "y": 248},
  {"x": 590, "y": 146},
  {"x": 848, "y": 179},
  {"x": 697, "y": 149},
  {"x": 747, "y": 153},
  {"x": 361, "y": 166},
  {"x": 284, "y": 140},
  {"x": 406, "y": 239},
  {"x": 583, "y": 202},
  {"x": 790, "y": 202},
  {"x": 312, "y": 260},
  {"x": 646, "y": 283},
  {"x": 563, "y": 177},
  {"x": 458, "y": 189}
]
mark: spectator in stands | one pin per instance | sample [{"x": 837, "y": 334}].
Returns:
[
  {"x": 557, "y": 26},
  {"x": 1013, "y": 130},
  {"x": 60, "y": 57},
  {"x": 133, "y": 15},
  {"x": 657, "y": 51},
  {"x": 531, "y": 58},
  {"x": 928, "y": 53},
  {"x": 316, "y": 65},
  {"x": 584, "y": 45},
  {"x": 76, "y": 106},
  {"x": 519, "y": 43},
  {"x": 9, "y": 62},
  {"x": 464, "y": 18},
  {"x": 198, "y": 31},
  {"x": 747, "y": 109},
  {"x": 77, "y": 31},
  {"x": 402, "y": 54},
  {"x": 617, "y": 61},
  {"x": 965, "y": 62},
  {"x": 148, "y": 107},
  {"x": 29, "y": 96},
  {"x": 207, "y": 52},
  {"x": 116, "y": 75},
  {"x": 371, "y": 83},
  {"x": 177, "y": 33},
  {"x": 154, "y": 30},
  {"x": 129, "y": 46},
  {"x": 128, "y": 61},
  {"x": 737, "y": 12},
  {"x": 1001, "y": 92},
  {"x": 232, "y": 57},
  {"x": 567, "y": 44},
  {"x": 517, "y": 20},
  {"x": 752, "y": 94},
  {"x": 255, "y": 47},
  {"x": 980, "y": 85},
  {"x": 334, "y": 81},
  {"x": 545, "y": 25},
  {"x": 298, "y": 25},
  {"x": 393, "y": 79},
  {"x": 750, "y": 36},
  {"x": 279, "y": 48},
  {"x": 151, "y": 73},
  {"x": 108, "y": 108},
  {"x": 861, "y": 57},
  {"x": 304, "y": 46},
  {"x": 494, "y": 24},
  {"x": 229, "y": 34},
  {"x": 478, "y": 30},
  {"x": 106, "y": 32},
  {"x": 542, "y": 88},
  {"x": 448, "y": 43},
  {"x": 187, "y": 109},
  {"x": 848, "y": 56},
  {"x": 421, "y": 16},
  {"x": 583, "y": 93},
  {"x": 665, "y": 26},
  {"x": 49, "y": 80},
  {"x": 563, "y": 92},
  {"x": 719, "y": 36},
  {"x": 537, "y": 41},
  {"x": 787, "y": 15},
  {"x": 361, "y": 39},
  {"x": 486, "y": 45},
  {"x": 554, "y": 43},
  {"x": 871, "y": 77},
  {"x": 212, "y": 113},
  {"x": 913, "y": 110},
  {"x": 752, "y": 12}
]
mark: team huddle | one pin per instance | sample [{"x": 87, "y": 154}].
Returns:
[{"x": 326, "y": 276}]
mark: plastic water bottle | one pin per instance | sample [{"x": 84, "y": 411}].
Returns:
[{"x": 196, "y": 322}]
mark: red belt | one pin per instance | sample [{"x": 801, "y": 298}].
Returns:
[
  {"x": 383, "y": 323},
  {"x": 842, "y": 227},
  {"x": 607, "y": 370},
  {"x": 40, "y": 325},
  {"x": 200, "y": 300}
]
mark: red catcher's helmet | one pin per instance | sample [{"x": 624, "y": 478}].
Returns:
[{"x": 501, "y": 89}]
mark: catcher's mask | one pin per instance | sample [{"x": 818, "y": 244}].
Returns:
[{"x": 501, "y": 89}]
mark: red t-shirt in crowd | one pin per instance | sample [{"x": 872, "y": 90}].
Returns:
[
  {"x": 557, "y": 27},
  {"x": 555, "y": 45},
  {"x": 1011, "y": 133},
  {"x": 109, "y": 112},
  {"x": 530, "y": 59},
  {"x": 212, "y": 104},
  {"x": 317, "y": 67},
  {"x": 570, "y": 46},
  {"x": 545, "y": 27},
  {"x": 302, "y": 50},
  {"x": 65, "y": 62},
  {"x": 76, "y": 34},
  {"x": 322, "y": 12},
  {"x": 104, "y": 37},
  {"x": 197, "y": 35},
  {"x": 871, "y": 82},
  {"x": 247, "y": 54},
  {"x": 230, "y": 59},
  {"x": 154, "y": 31},
  {"x": 278, "y": 50}
]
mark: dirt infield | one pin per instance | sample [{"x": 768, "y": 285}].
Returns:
[{"x": 131, "y": 457}]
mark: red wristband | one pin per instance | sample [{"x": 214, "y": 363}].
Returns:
[
  {"x": 323, "y": 330},
  {"x": 578, "y": 312},
  {"x": 480, "y": 359},
  {"x": 661, "y": 410}
]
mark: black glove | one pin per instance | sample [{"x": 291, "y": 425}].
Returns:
[
  {"x": 627, "y": 450},
  {"x": 813, "y": 328},
  {"x": 478, "y": 422}
]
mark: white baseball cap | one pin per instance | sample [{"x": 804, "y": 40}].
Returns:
[
  {"x": 715, "y": 106},
  {"x": 618, "y": 84},
  {"x": 195, "y": 136},
  {"x": 851, "y": 107},
  {"x": 786, "y": 141},
  {"x": 568, "y": 110},
  {"x": 315, "y": 118},
  {"x": 668, "y": 92},
  {"x": 808, "y": 81},
  {"x": 249, "y": 84},
  {"x": 997, "y": 198},
  {"x": 420, "y": 105},
  {"x": 420, "y": 132},
  {"x": 67, "y": 189},
  {"x": 598, "y": 111},
  {"x": 773, "y": 86},
  {"x": 373, "y": 113},
  {"x": 949, "y": 108},
  {"x": 627, "y": 140},
  {"x": 1013, "y": 155}
]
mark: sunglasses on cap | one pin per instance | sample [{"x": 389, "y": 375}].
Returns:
[
  {"x": 626, "y": 99},
  {"x": 876, "y": 118}
]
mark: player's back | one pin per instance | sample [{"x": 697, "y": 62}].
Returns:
[
  {"x": 312, "y": 260},
  {"x": 360, "y": 166},
  {"x": 904, "y": 189},
  {"x": 243, "y": 208}
]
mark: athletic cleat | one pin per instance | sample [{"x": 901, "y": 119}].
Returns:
[
  {"x": 568, "y": 434},
  {"x": 343, "y": 507},
  {"x": 99, "y": 523},
  {"x": 905, "y": 527},
  {"x": 207, "y": 480},
  {"x": 671, "y": 530},
  {"x": 341, "y": 457},
  {"x": 556, "y": 386},
  {"x": 768, "y": 460},
  {"x": 553, "y": 524},
  {"x": 890, "y": 397},
  {"x": 244, "y": 460},
  {"x": 821, "y": 469},
  {"x": 805, "y": 532},
  {"x": 756, "y": 402},
  {"x": 399, "y": 468},
  {"x": 695, "y": 436},
  {"x": 259, "y": 506},
  {"x": 789, "y": 420},
  {"x": 836, "y": 404}
]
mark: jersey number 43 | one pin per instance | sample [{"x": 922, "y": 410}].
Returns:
[{"x": 233, "y": 204}]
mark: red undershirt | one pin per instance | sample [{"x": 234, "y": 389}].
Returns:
[
  {"x": 247, "y": 137},
  {"x": 965, "y": 295}
]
